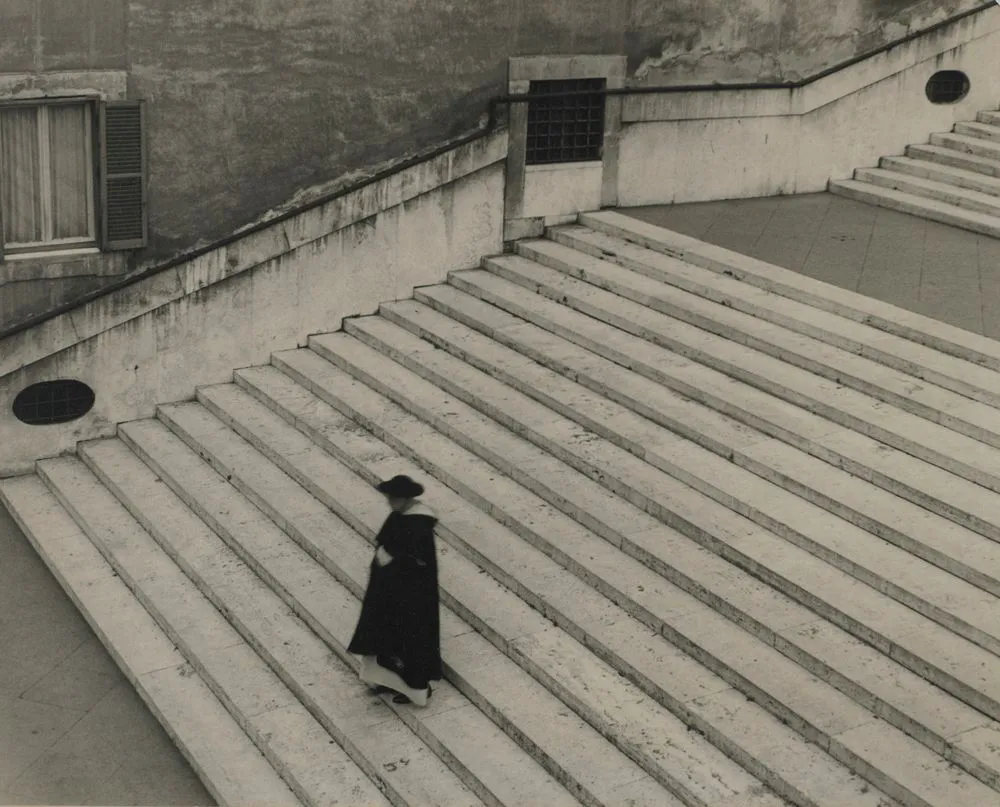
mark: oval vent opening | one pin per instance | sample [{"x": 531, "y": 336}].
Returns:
[
  {"x": 50, "y": 402},
  {"x": 947, "y": 87}
]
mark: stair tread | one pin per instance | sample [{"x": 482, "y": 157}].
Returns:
[
  {"x": 935, "y": 444},
  {"x": 946, "y": 172},
  {"x": 636, "y": 572},
  {"x": 673, "y": 275},
  {"x": 648, "y": 272},
  {"x": 652, "y": 329},
  {"x": 981, "y": 146},
  {"x": 671, "y": 668},
  {"x": 216, "y": 649},
  {"x": 919, "y": 205},
  {"x": 634, "y": 259},
  {"x": 225, "y": 758},
  {"x": 978, "y": 129},
  {"x": 824, "y": 296},
  {"x": 423, "y": 322},
  {"x": 335, "y": 609},
  {"x": 643, "y": 477},
  {"x": 942, "y": 155},
  {"x": 237, "y": 514},
  {"x": 393, "y": 378},
  {"x": 964, "y": 198},
  {"x": 683, "y": 415}
]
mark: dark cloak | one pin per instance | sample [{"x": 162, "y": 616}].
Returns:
[{"x": 400, "y": 622}]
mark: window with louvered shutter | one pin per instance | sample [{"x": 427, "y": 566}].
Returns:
[
  {"x": 46, "y": 176},
  {"x": 123, "y": 175}
]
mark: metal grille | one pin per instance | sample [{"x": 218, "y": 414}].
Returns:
[
  {"x": 51, "y": 402},
  {"x": 947, "y": 87},
  {"x": 566, "y": 129}
]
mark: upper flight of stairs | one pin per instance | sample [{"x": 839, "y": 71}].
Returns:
[
  {"x": 712, "y": 534},
  {"x": 955, "y": 179}
]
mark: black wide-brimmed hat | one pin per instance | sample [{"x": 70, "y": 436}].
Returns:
[{"x": 400, "y": 487}]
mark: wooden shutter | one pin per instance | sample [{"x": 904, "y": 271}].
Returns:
[{"x": 123, "y": 175}]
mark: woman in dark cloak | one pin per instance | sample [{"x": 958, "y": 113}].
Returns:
[{"x": 398, "y": 635}]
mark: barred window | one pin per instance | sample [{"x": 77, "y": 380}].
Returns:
[{"x": 569, "y": 128}]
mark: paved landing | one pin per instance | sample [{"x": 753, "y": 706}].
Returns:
[
  {"x": 933, "y": 269},
  {"x": 72, "y": 729}
]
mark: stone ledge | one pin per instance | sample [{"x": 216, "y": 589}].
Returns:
[{"x": 279, "y": 239}]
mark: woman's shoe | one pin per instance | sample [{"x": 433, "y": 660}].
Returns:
[{"x": 403, "y": 699}]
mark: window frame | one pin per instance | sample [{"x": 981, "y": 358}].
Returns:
[
  {"x": 92, "y": 146},
  {"x": 566, "y": 118}
]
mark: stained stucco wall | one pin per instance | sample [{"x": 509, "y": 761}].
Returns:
[{"x": 249, "y": 101}]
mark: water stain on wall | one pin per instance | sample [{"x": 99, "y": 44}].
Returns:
[{"x": 250, "y": 101}]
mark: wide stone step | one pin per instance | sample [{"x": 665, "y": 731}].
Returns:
[
  {"x": 952, "y": 603},
  {"x": 957, "y": 177},
  {"x": 501, "y": 364},
  {"x": 328, "y": 686},
  {"x": 523, "y": 634},
  {"x": 296, "y": 743},
  {"x": 772, "y": 373},
  {"x": 657, "y": 668},
  {"x": 961, "y": 666},
  {"x": 460, "y": 424},
  {"x": 592, "y": 769},
  {"x": 942, "y": 191},
  {"x": 957, "y": 550},
  {"x": 244, "y": 523},
  {"x": 227, "y": 761},
  {"x": 917, "y": 206},
  {"x": 989, "y": 116},
  {"x": 822, "y": 296},
  {"x": 654, "y": 280},
  {"x": 939, "y": 446},
  {"x": 985, "y": 130},
  {"x": 942, "y": 155},
  {"x": 978, "y": 146}
]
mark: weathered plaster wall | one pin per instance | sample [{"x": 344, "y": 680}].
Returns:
[
  {"x": 155, "y": 341},
  {"x": 250, "y": 101},
  {"x": 692, "y": 147},
  {"x": 43, "y": 35},
  {"x": 769, "y": 40}
]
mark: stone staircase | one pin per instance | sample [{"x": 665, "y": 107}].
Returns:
[
  {"x": 955, "y": 179},
  {"x": 713, "y": 534}
]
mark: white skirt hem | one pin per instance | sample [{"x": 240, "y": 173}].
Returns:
[{"x": 375, "y": 674}]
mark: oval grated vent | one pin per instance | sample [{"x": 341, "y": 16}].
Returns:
[
  {"x": 947, "y": 87},
  {"x": 50, "y": 402}
]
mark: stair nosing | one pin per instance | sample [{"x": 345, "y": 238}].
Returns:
[
  {"x": 185, "y": 687},
  {"x": 604, "y": 389},
  {"x": 824, "y": 296},
  {"x": 931, "y": 188},
  {"x": 657, "y": 329},
  {"x": 856, "y": 410},
  {"x": 575, "y": 787},
  {"x": 177, "y": 636},
  {"x": 299, "y": 424},
  {"x": 368, "y": 426},
  {"x": 474, "y": 401}
]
